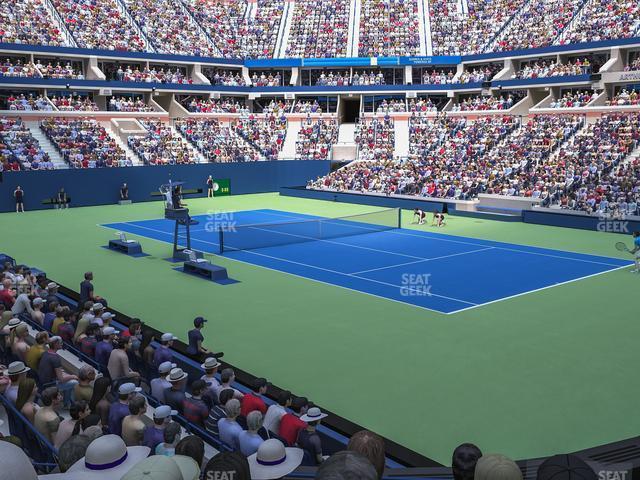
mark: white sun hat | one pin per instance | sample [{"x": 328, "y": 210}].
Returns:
[{"x": 273, "y": 460}]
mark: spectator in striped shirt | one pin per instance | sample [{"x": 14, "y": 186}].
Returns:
[{"x": 195, "y": 409}]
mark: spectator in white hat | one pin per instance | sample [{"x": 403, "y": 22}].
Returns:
[
  {"x": 174, "y": 396},
  {"x": 106, "y": 457},
  {"x": 16, "y": 372},
  {"x": 120, "y": 409},
  {"x": 133, "y": 424},
  {"x": 164, "y": 353},
  {"x": 210, "y": 367},
  {"x": 160, "y": 384},
  {"x": 36, "y": 314},
  {"x": 273, "y": 460},
  {"x": 15, "y": 463},
  {"x": 105, "y": 346},
  {"x": 154, "y": 434},
  {"x": 308, "y": 438}
]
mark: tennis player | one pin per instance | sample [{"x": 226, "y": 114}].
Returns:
[
  {"x": 438, "y": 219},
  {"x": 420, "y": 214},
  {"x": 636, "y": 251}
]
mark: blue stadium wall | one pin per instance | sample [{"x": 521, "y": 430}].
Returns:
[{"x": 101, "y": 186}]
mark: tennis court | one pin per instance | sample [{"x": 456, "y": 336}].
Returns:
[{"x": 369, "y": 254}]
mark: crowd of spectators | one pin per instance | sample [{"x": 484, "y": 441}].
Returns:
[
  {"x": 265, "y": 134},
  {"x": 29, "y": 22},
  {"x": 479, "y": 74},
  {"x": 84, "y": 143},
  {"x": 223, "y": 77},
  {"x": 588, "y": 166},
  {"x": 603, "y": 20},
  {"x": 170, "y": 28},
  {"x": 216, "y": 142},
  {"x": 59, "y": 70},
  {"x": 623, "y": 98},
  {"x": 223, "y": 21},
  {"x": 368, "y": 79},
  {"x": 537, "y": 25},
  {"x": 278, "y": 107},
  {"x": 120, "y": 406},
  {"x": 551, "y": 68},
  {"x": 201, "y": 105},
  {"x": 522, "y": 163},
  {"x": 454, "y": 32},
  {"x": 74, "y": 103},
  {"x": 263, "y": 80},
  {"x": 572, "y": 99},
  {"x": 128, "y": 104},
  {"x": 319, "y": 29},
  {"x": 152, "y": 75},
  {"x": 315, "y": 139},
  {"x": 17, "y": 68},
  {"x": 422, "y": 105},
  {"x": 438, "y": 77},
  {"x": 28, "y": 102},
  {"x": 259, "y": 33},
  {"x": 161, "y": 145},
  {"x": 332, "y": 79},
  {"x": 392, "y": 106},
  {"x": 99, "y": 24},
  {"x": 485, "y": 103},
  {"x": 376, "y": 138},
  {"x": 633, "y": 65},
  {"x": 19, "y": 150},
  {"x": 389, "y": 28},
  {"x": 307, "y": 106}
]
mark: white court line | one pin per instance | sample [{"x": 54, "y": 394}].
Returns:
[
  {"x": 326, "y": 270},
  {"x": 425, "y": 260},
  {"x": 437, "y": 237},
  {"x": 541, "y": 288}
]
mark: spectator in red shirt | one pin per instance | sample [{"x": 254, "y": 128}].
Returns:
[
  {"x": 7, "y": 295},
  {"x": 290, "y": 424},
  {"x": 195, "y": 409},
  {"x": 253, "y": 401}
]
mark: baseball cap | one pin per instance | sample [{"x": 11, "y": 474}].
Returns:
[
  {"x": 106, "y": 331},
  {"x": 164, "y": 411},
  {"x": 55, "y": 339},
  {"x": 38, "y": 301},
  {"x": 167, "y": 337},
  {"x": 128, "y": 388},
  {"x": 166, "y": 367},
  {"x": 199, "y": 321},
  {"x": 108, "y": 316}
]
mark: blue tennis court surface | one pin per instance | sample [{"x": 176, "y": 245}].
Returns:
[{"x": 439, "y": 272}]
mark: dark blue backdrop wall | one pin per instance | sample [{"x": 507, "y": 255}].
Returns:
[{"x": 101, "y": 185}]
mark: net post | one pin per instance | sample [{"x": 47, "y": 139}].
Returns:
[
  {"x": 221, "y": 240},
  {"x": 399, "y": 218}
]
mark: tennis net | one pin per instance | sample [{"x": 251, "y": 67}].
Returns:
[{"x": 249, "y": 237}]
